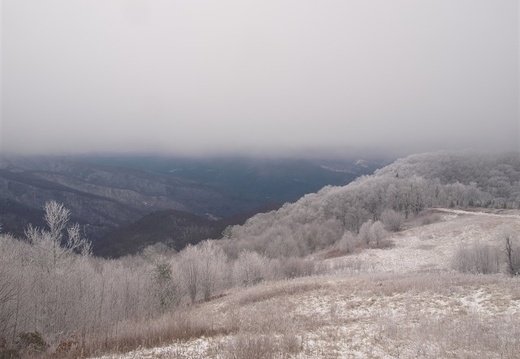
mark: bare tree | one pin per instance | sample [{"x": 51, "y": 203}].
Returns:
[
  {"x": 190, "y": 270},
  {"x": 250, "y": 268},
  {"x": 49, "y": 244},
  {"x": 7, "y": 296},
  {"x": 512, "y": 252},
  {"x": 212, "y": 268},
  {"x": 377, "y": 232},
  {"x": 56, "y": 217}
]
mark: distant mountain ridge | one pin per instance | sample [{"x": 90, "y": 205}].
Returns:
[{"x": 104, "y": 193}]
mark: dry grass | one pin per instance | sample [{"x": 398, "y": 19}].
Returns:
[
  {"x": 180, "y": 326},
  {"x": 413, "y": 315},
  {"x": 457, "y": 336},
  {"x": 266, "y": 291},
  {"x": 251, "y": 346}
]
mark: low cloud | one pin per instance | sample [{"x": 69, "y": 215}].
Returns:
[{"x": 269, "y": 77}]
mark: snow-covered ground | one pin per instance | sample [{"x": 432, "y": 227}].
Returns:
[
  {"x": 399, "y": 302},
  {"x": 431, "y": 247}
]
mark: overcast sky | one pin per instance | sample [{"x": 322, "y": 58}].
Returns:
[{"x": 269, "y": 76}]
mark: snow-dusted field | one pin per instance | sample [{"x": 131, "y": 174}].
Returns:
[
  {"x": 398, "y": 302},
  {"x": 431, "y": 247}
]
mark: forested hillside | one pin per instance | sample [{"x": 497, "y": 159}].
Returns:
[
  {"x": 497, "y": 176},
  {"x": 392, "y": 194},
  {"x": 53, "y": 292}
]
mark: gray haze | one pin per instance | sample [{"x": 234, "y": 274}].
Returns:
[{"x": 270, "y": 76}]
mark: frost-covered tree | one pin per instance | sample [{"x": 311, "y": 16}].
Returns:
[
  {"x": 347, "y": 243},
  {"x": 364, "y": 231},
  {"x": 8, "y": 289},
  {"x": 372, "y": 232},
  {"x": 190, "y": 270},
  {"x": 250, "y": 268},
  {"x": 203, "y": 269},
  {"x": 392, "y": 220},
  {"x": 213, "y": 268},
  {"x": 377, "y": 233},
  {"x": 49, "y": 244}
]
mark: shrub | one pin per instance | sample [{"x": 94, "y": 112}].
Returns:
[
  {"x": 347, "y": 243},
  {"x": 31, "y": 343},
  {"x": 296, "y": 267},
  {"x": 392, "y": 220},
  {"x": 431, "y": 218},
  {"x": 66, "y": 347},
  {"x": 477, "y": 258}
]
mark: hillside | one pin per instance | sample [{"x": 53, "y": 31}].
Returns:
[
  {"x": 495, "y": 174},
  {"x": 398, "y": 302}
]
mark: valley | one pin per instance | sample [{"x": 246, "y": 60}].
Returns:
[{"x": 108, "y": 193}]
